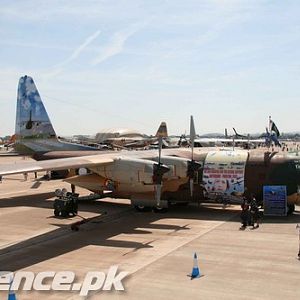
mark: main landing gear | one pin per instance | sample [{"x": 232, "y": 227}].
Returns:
[
  {"x": 290, "y": 208},
  {"x": 156, "y": 209}
]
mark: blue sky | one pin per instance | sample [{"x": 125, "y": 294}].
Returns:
[{"x": 105, "y": 64}]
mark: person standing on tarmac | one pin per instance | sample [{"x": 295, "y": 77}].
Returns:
[
  {"x": 245, "y": 214},
  {"x": 25, "y": 176},
  {"x": 254, "y": 211}
]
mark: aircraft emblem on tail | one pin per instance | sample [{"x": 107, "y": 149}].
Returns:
[
  {"x": 32, "y": 120},
  {"x": 34, "y": 132}
]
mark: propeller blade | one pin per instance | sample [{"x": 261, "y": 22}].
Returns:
[
  {"x": 192, "y": 166},
  {"x": 160, "y": 142},
  {"x": 158, "y": 193},
  {"x": 158, "y": 171},
  {"x": 192, "y": 135},
  {"x": 191, "y": 186}
]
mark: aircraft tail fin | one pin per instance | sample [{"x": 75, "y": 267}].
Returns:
[
  {"x": 34, "y": 132},
  {"x": 162, "y": 130},
  {"x": 236, "y": 134},
  {"x": 32, "y": 121}
]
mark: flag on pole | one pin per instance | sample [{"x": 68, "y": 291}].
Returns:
[{"x": 273, "y": 128}]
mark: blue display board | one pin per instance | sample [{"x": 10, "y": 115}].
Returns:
[{"x": 275, "y": 200}]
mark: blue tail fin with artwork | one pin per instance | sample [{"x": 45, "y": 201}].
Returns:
[
  {"x": 32, "y": 120},
  {"x": 34, "y": 131}
]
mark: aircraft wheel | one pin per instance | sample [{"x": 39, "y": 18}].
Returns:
[
  {"x": 182, "y": 203},
  {"x": 142, "y": 208},
  {"x": 158, "y": 209},
  {"x": 56, "y": 212},
  {"x": 74, "y": 228},
  {"x": 291, "y": 208},
  {"x": 64, "y": 214}
]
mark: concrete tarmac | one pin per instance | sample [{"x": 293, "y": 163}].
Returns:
[{"x": 156, "y": 249}]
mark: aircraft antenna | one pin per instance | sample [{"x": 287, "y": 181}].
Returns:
[{"x": 158, "y": 171}]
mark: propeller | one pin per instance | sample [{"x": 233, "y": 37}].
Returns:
[
  {"x": 193, "y": 166},
  {"x": 158, "y": 171}
]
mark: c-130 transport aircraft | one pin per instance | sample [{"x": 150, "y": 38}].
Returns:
[{"x": 151, "y": 178}]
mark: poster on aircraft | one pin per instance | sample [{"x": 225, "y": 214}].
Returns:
[
  {"x": 224, "y": 172},
  {"x": 275, "y": 200}
]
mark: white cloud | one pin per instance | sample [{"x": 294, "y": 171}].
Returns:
[
  {"x": 49, "y": 11},
  {"x": 211, "y": 57},
  {"x": 78, "y": 50},
  {"x": 59, "y": 67},
  {"x": 116, "y": 44}
]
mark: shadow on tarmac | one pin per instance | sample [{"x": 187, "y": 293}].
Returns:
[
  {"x": 103, "y": 232},
  {"x": 62, "y": 240}
]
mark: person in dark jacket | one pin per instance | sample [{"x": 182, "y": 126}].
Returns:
[
  {"x": 245, "y": 214},
  {"x": 254, "y": 212}
]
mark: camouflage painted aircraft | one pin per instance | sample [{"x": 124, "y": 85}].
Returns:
[{"x": 152, "y": 179}]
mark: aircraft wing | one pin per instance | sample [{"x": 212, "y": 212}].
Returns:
[
  {"x": 133, "y": 157},
  {"x": 55, "y": 164}
]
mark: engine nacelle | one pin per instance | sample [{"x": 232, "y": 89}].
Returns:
[
  {"x": 127, "y": 170},
  {"x": 178, "y": 166}
]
